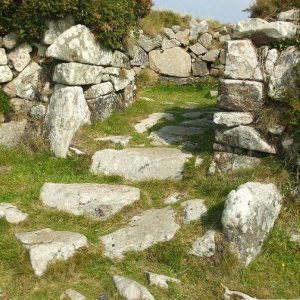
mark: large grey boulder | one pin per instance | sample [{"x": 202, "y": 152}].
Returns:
[
  {"x": 283, "y": 80},
  {"x": 11, "y": 133},
  {"x": 26, "y": 84},
  {"x": 77, "y": 74},
  {"x": 130, "y": 289},
  {"x": 241, "y": 95},
  {"x": 66, "y": 112},
  {"x": 242, "y": 61},
  {"x": 46, "y": 246},
  {"x": 20, "y": 56},
  {"x": 11, "y": 213},
  {"x": 78, "y": 44},
  {"x": 248, "y": 216},
  {"x": 149, "y": 44},
  {"x": 226, "y": 162},
  {"x": 231, "y": 119},
  {"x": 149, "y": 228},
  {"x": 138, "y": 164},
  {"x": 204, "y": 246},
  {"x": 262, "y": 32},
  {"x": 172, "y": 62},
  {"x": 98, "y": 201},
  {"x": 160, "y": 280},
  {"x": 56, "y": 28},
  {"x": 6, "y": 74},
  {"x": 244, "y": 137}
]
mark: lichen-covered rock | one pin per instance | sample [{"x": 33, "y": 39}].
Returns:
[
  {"x": 197, "y": 28},
  {"x": 120, "y": 60},
  {"x": 10, "y": 40},
  {"x": 67, "y": 111},
  {"x": 20, "y": 56},
  {"x": 242, "y": 61},
  {"x": 262, "y": 32},
  {"x": 77, "y": 74},
  {"x": 119, "y": 83},
  {"x": 193, "y": 210},
  {"x": 11, "y": 133},
  {"x": 149, "y": 44},
  {"x": 205, "y": 40},
  {"x": 11, "y": 213},
  {"x": 231, "y": 119},
  {"x": 226, "y": 162},
  {"x": 241, "y": 95},
  {"x": 3, "y": 57},
  {"x": 248, "y": 216},
  {"x": 6, "y": 74},
  {"x": 183, "y": 37},
  {"x": 198, "y": 49},
  {"x": 99, "y": 90},
  {"x": 37, "y": 112},
  {"x": 138, "y": 164},
  {"x": 98, "y": 201},
  {"x": 204, "y": 246},
  {"x": 244, "y": 137},
  {"x": 200, "y": 68},
  {"x": 168, "y": 44},
  {"x": 138, "y": 56},
  {"x": 149, "y": 228},
  {"x": 46, "y": 246},
  {"x": 283, "y": 80},
  {"x": 172, "y": 62},
  {"x": 26, "y": 84},
  {"x": 211, "y": 56},
  {"x": 130, "y": 289},
  {"x": 78, "y": 44},
  {"x": 270, "y": 61}
]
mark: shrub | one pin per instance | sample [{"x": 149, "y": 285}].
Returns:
[
  {"x": 157, "y": 20},
  {"x": 109, "y": 20},
  {"x": 4, "y": 104},
  {"x": 267, "y": 9},
  {"x": 146, "y": 78}
]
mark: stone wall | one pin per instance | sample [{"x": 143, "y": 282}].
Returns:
[{"x": 256, "y": 75}]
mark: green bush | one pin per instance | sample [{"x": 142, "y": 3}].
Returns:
[
  {"x": 4, "y": 104},
  {"x": 109, "y": 20}
]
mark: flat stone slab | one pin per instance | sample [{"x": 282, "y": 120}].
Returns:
[
  {"x": 98, "y": 201},
  {"x": 46, "y": 246},
  {"x": 193, "y": 210},
  {"x": 11, "y": 213},
  {"x": 230, "y": 119},
  {"x": 152, "y": 120},
  {"x": 138, "y": 164},
  {"x": 160, "y": 280},
  {"x": 130, "y": 289},
  {"x": 204, "y": 246},
  {"x": 150, "y": 227},
  {"x": 122, "y": 140},
  {"x": 71, "y": 294}
]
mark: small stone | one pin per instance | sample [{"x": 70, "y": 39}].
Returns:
[
  {"x": 20, "y": 56},
  {"x": 6, "y": 74},
  {"x": 199, "y": 161},
  {"x": 71, "y": 295},
  {"x": 99, "y": 90},
  {"x": 130, "y": 289},
  {"x": 205, "y": 40},
  {"x": 11, "y": 213},
  {"x": 149, "y": 44},
  {"x": 183, "y": 37},
  {"x": 10, "y": 40},
  {"x": 38, "y": 112},
  {"x": 200, "y": 68},
  {"x": 211, "y": 55},
  {"x": 225, "y": 38},
  {"x": 11, "y": 133},
  {"x": 214, "y": 94},
  {"x": 139, "y": 56},
  {"x": 160, "y": 280},
  {"x": 295, "y": 238},
  {"x": 122, "y": 140},
  {"x": 175, "y": 197},
  {"x": 119, "y": 83},
  {"x": 76, "y": 151},
  {"x": 176, "y": 28},
  {"x": 290, "y": 15},
  {"x": 3, "y": 57},
  {"x": 198, "y": 49},
  {"x": 169, "y": 33},
  {"x": 168, "y": 44},
  {"x": 120, "y": 60},
  {"x": 204, "y": 246},
  {"x": 194, "y": 210}
]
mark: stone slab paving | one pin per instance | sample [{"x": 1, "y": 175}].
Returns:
[
  {"x": 98, "y": 201},
  {"x": 138, "y": 164},
  {"x": 143, "y": 231},
  {"x": 46, "y": 246}
]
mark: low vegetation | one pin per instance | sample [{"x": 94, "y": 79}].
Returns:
[
  {"x": 4, "y": 105},
  {"x": 111, "y": 21}
]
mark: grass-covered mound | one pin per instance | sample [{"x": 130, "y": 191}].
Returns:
[{"x": 109, "y": 20}]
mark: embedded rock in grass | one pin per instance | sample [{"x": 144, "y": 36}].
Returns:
[
  {"x": 56, "y": 28},
  {"x": 285, "y": 74},
  {"x": 130, "y": 289},
  {"x": 244, "y": 137},
  {"x": 138, "y": 164},
  {"x": 160, "y": 280},
  {"x": 67, "y": 111},
  {"x": 174, "y": 62},
  {"x": 46, "y": 246},
  {"x": 152, "y": 120},
  {"x": 226, "y": 162},
  {"x": 72, "y": 295},
  {"x": 99, "y": 90},
  {"x": 204, "y": 246},
  {"x": 242, "y": 61},
  {"x": 262, "y": 32},
  {"x": 78, "y": 44},
  {"x": 249, "y": 215},
  {"x": 11, "y": 133},
  {"x": 231, "y": 119},
  {"x": 98, "y": 201},
  {"x": 26, "y": 84},
  {"x": 20, "y": 56},
  {"x": 149, "y": 228},
  {"x": 77, "y": 74},
  {"x": 122, "y": 140},
  {"x": 241, "y": 95},
  {"x": 194, "y": 210},
  {"x": 11, "y": 213}
]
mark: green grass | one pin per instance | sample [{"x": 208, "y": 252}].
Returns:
[{"x": 274, "y": 274}]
